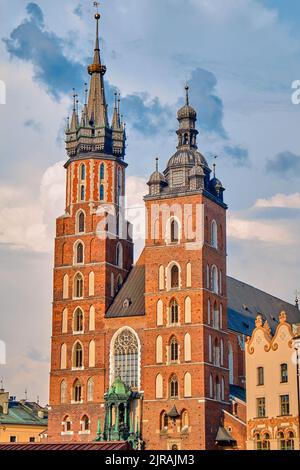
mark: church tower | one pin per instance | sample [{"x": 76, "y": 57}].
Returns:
[
  {"x": 93, "y": 255},
  {"x": 185, "y": 361}
]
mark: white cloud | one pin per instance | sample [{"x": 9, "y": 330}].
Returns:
[{"x": 286, "y": 201}]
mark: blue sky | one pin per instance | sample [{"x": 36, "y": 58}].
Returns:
[{"x": 240, "y": 58}]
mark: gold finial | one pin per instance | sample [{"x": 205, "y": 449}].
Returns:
[{"x": 97, "y": 15}]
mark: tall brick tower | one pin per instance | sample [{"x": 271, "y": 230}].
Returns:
[
  {"x": 185, "y": 344},
  {"x": 92, "y": 260}
]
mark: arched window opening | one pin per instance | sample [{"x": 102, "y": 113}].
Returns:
[
  {"x": 78, "y": 286},
  {"x": 208, "y": 312},
  {"x": 222, "y": 389},
  {"x": 101, "y": 192},
  {"x": 174, "y": 229},
  {"x": 92, "y": 353},
  {"x": 90, "y": 390},
  {"x": 67, "y": 425},
  {"x": 216, "y": 317},
  {"x": 174, "y": 312},
  {"x": 266, "y": 441},
  {"x": 161, "y": 280},
  {"x": 112, "y": 285},
  {"x": 185, "y": 139},
  {"x": 125, "y": 358},
  {"x": 78, "y": 356},
  {"x": 230, "y": 363},
  {"x": 77, "y": 392},
  {"x": 159, "y": 350},
  {"x": 187, "y": 385},
  {"x": 63, "y": 392},
  {"x": 65, "y": 286},
  {"x": 187, "y": 310},
  {"x": 78, "y": 321},
  {"x": 184, "y": 421},
  {"x": 216, "y": 353},
  {"x": 82, "y": 172},
  {"x": 82, "y": 192},
  {"x": 211, "y": 386},
  {"x": 174, "y": 277},
  {"x": 119, "y": 282},
  {"x": 79, "y": 253},
  {"x": 102, "y": 172},
  {"x": 187, "y": 347},
  {"x": 210, "y": 348},
  {"x": 218, "y": 389},
  {"x": 214, "y": 234},
  {"x": 159, "y": 313},
  {"x": 286, "y": 441},
  {"x": 63, "y": 356},
  {"x": 207, "y": 277},
  {"x": 163, "y": 421},
  {"x": 119, "y": 256},
  {"x": 173, "y": 387},
  {"x": 85, "y": 423},
  {"x": 81, "y": 222},
  {"x": 173, "y": 349},
  {"x": 214, "y": 280},
  {"x": 64, "y": 323},
  {"x": 159, "y": 386}
]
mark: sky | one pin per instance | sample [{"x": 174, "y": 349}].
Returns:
[{"x": 240, "y": 58}]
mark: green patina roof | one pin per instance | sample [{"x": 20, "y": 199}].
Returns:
[
  {"x": 23, "y": 413},
  {"x": 118, "y": 390}
]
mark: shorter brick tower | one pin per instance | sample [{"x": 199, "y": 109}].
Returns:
[
  {"x": 93, "y": 255},
  {"x": 185, "y": 360}
]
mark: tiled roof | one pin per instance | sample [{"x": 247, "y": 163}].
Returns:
[
  {"x": 244, "y": 303},
  {"x": 133, "y": 293},
  {"x": 23, "y": 413},
  {"x": 224, "y": 437},
  {"x": 100, "y": 446}
]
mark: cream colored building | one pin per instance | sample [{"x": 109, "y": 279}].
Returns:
[{"x": 271, "y": 383}]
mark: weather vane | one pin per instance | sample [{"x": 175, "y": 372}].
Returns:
[
  {"x": 214, "y": 165},
  {"x": 96, "y": 5}
]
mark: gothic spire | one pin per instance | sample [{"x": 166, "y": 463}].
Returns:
[
  {"x": 116, "y": 120},
  {"x": 74, "y": 120},
  {"x": 97, "y": 108}
]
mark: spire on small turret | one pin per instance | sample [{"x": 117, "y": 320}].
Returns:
[
  {"x": 115, "y": 120},
  {"x": 97, "y": 108},
  {"x": 74, "y": 120},
  {"x": 187, "y": 101}
]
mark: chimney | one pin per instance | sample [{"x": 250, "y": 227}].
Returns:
[{"x": 5, "y": 408}]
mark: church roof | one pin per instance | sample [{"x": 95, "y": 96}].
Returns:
[{"x": 244, "y": 303}]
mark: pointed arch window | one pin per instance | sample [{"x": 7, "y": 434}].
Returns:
[
  {"x": 63, "y": 391},
  {"x": 174, "y": 312},
  {"x": 78, "y": 286},
  {"x": 214, "y": 234},
  {"x": 184, "y": 420},
  {"x": 174, "y": 349},
  {"x": 77, "y": 391},
  {"x": 102, "y": 171},
  {"x": 125, "y": 358},
  {"x": 174, "y": 277},
  {"x": 119, "y": 282},
  {"x": 163, "y": 421},
  {"x": 82, "y": 172},
  {"x": 82, "y": 192},
  {"x": 101, "y": 191},
  {"x": 81, "y": 222},
  {"x": 77, "y": 356},
  {"x": 214, "y": 280},
  {"x": 90, "y": 390},
  {"x": 85, "y": 423},
  {"x": 173, "y": 387},
  {"x": 79, "y": 253},
  {"x": 78, "y": 321},
  {"x": 218, "y": 389},
  {"x": 174, "y": 231},
  {"x": 67, "y": 424},
  {"x": 119, "y": 256}
]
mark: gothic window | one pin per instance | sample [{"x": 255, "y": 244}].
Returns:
[
  {"x": 210, "y": 348},
  {"x": 63, "y": 391},
  {"x": 266, "y": 442},
  {"x": 92, "y": 318},
  {"x": 125, "y": 358},
  {"x": 211, "y": 386},
  {"x": 214, "y": 280},
  {"x": 63, "y": 356},
  {"x": 85, "y": 423},
  {"x": 159, "y": 386},
  {"x": 64, "y": 326},
  {"x": 222, "y": 389},
  {"x": 102, "y": 171},
  {"x": 163, "y": 421},
  {"x": 101, "y": 191},
  {"x": 65, "y": 286},
  {"x": 188, "y": 275},
  {"x": 79, "y": 253},
  {"x": 173, "y": 387},
  {"x": 82, "y": 172},
  {"x": 221, "y": 352},
  {"x": 174, "y": 229},
  {"x": 187, "y": 347},
  {"x": 184, "y": 420},
  {"x": 77, "y": 356},
  {"x": 208, "y": 312},
  {"x": 173, "y": 349},
  {"x": 92, "y": 353},
  {"x": 119, "y": 256},
  {"x": 174, "y": 277},
  {"x": 207, "y": 277},
  {"x": 81, "y": 222},
  {"x": 77, "y": 392},
  {"x": 91, "y": 283},
  {"x": 78, "y": 321},
  {"x": 187, "y": 385},
  {"x": 218, "y": 389},
  {"x": 187, "y": 310},
  {"x": 112, "y": 285},
  {"x": 159, "y": 313},
  {"x": 214, "y": 234},
  {"x": 90, "y": 390},
  {"x": 221, "y": 317},
  {"x": 283, "y": 373},
  {"x": 119, "y": 282},
  {"x": 78, "y": 286},
  {"x": 159, "y": 350},
  {"x": 216, "y": 317},
  {"x": 258, "y": 442},
  {"x": 174, "y": 312},
  {"x": 161, "y": 279},
  {"x": 67, "y": 425},
  {"x": 216, "y": 353},
  {"x": 82, "y": 192},
  {"x": 230, "y": 363}
]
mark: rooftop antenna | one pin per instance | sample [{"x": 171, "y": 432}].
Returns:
[
  {"x": 297, "y": 299},
  {"x": 96, "y": 5}
]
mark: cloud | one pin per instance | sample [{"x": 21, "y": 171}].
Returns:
[
  {"x": 287, "y": 201},
  {"x": 284, "y": 164},
  {"x": 78, "y": 11},
  {"x": 239, "y": 155},
  {"x": 204, "y": 99},
  {"x": 37, "y": 356},
  {"x": 30, "y": 41},
  {"x": 35, "y": 125}
]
